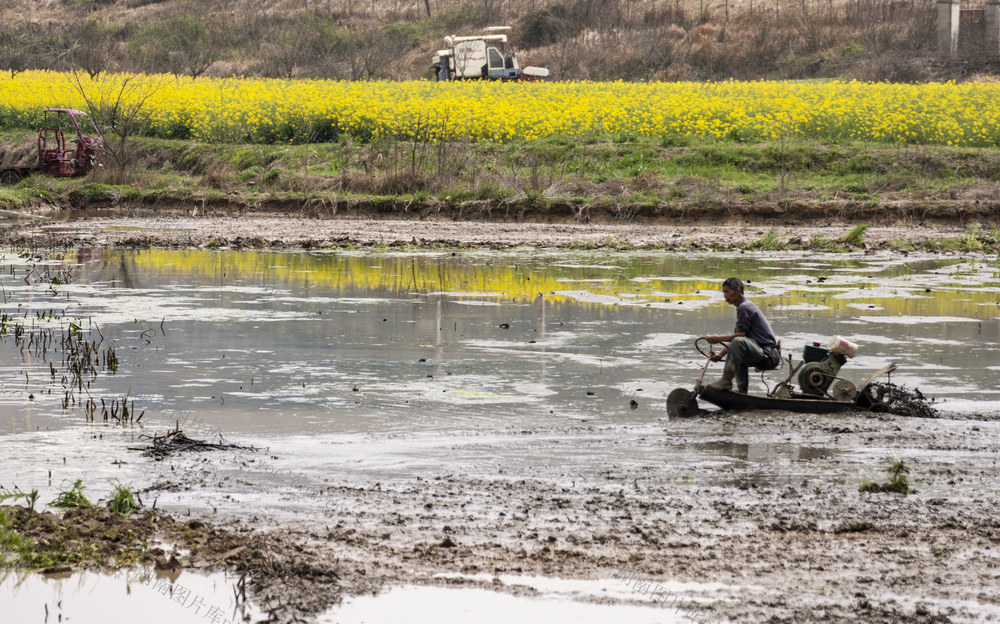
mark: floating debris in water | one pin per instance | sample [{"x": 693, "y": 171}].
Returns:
[{"x": 177, "y": 442}]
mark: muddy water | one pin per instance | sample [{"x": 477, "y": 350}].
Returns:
[
  {"x": 399, "y": 368},
  {"x": 160, "y": 598},
  {"x": 265, "y": 344}
]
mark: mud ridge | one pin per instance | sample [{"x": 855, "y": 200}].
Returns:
[
  {"x": 694, "y": 229},
  {"x": 546, "y": 210}
]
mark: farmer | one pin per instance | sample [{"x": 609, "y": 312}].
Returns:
[{"x": 751, "y": 344}]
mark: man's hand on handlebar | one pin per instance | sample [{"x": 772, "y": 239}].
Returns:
[{"x": 716, "y": 339}]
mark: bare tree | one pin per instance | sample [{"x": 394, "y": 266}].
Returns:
[
  {"x": 566, "y": 58},
  {"x": 18, "y": 51},
  {"x": 118, "y": 106},
  {"x": 369, "y": 53},
  {"x": 285, "y": 46},
  {"x": 328, "y": 53},
  {"x": 195, "y": 43},
  {"x": 658, "y": 50},
  {"x": 187, "y": 43},
  {"x": 94, "y": 47},
  {"x": 249, "y": 18}
]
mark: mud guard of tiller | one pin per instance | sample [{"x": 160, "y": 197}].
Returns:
[{"x": 682, "y": 403}]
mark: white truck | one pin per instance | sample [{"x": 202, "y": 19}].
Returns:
[{"x": 482, "y": 57}]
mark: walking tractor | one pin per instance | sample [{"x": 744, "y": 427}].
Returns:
[
  {"x": 821, "y": 390},
  {"x": 58, "y": 156}
]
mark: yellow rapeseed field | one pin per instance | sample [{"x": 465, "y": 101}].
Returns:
[{"x": 272, "y": 111}]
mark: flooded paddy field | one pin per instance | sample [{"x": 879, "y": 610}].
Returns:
[{"x": 460, "y": 435}]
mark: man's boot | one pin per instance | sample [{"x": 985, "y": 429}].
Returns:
[{"x": 726, "y": 383}]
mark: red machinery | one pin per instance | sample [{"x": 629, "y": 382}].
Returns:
[{"x": 55, "y": 157}]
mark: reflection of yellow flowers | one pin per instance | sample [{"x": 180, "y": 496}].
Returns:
[
  {"x": 637, "y": 280},
  {"x": 260, "y": 110}
]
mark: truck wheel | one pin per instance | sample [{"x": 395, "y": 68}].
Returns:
[{"x": 10, "y": 177}]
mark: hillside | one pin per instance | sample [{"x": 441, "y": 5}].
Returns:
[{"x": 576, "y": 39}]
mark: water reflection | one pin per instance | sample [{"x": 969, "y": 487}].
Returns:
[
  {"x": 919, "y": 287},
  {"x": 122, "y": 596},
  {"x": 764, "y": 453},
  {"x": 387, "y": 342}
]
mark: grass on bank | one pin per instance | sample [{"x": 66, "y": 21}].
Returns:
[
  {"x": 624, "y": 171},
  {"x": 85, "y": 533},
  {"x": 35, "y": 541},
  {"x": 623, "y": 168}
]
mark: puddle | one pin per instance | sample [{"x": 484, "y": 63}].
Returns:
[
  {"x": 154, "y": 598},
  {"x": 763, "y": 453},
  {"x": 459, "y": 606},
  {"x": 546, "y": 600}
]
